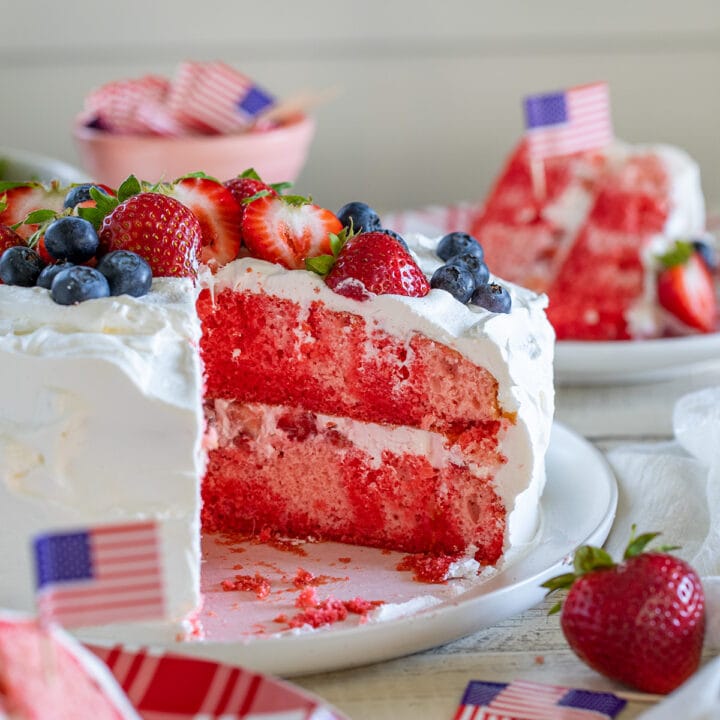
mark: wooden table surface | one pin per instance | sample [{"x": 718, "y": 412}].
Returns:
[{"x": 529, "y": 646}]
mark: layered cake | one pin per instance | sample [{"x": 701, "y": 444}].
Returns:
[
  {"x": 46, "y": 674},
  {"x": 349, "y": 400},
  {"x": 598, "y": 231}
]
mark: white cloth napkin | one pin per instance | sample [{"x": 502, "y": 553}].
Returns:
[{"x": 674, "y": 488}]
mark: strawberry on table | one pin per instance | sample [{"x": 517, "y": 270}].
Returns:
[
  {"x": 374, "y": 262},
  {"x": 157, "y": 227},
  {"x": 288, "y": 230},
  {"x": 685, "y": 288},
  {"x": 640, "y": 621},
  {"x": 18, "y": 200},
  {"x": 218, "y": 212}
]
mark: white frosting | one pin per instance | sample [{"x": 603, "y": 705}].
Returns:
[
  {"x": 101, "y": 421},
  {"x": 516, "y": 348}
]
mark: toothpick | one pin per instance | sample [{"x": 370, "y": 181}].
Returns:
[
  {"x": 301, "y": 102},
  {"x": 537, "y": 174}
]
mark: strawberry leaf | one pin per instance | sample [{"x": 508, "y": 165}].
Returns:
[
  {"x": 589, "y": 558},
  {"x": 256, "y": 196},
  {"x": 555, "y": 608},
  {"x": 638, "y": 544},
  {"x": 197, "y": 174},
  {"x": 6, "y": 185},
  {"x": 320, "y": 264},
  {"x": 39, "y": 216},
  {"x": 104, "y": 205},
  {"x": 3, "y": 203},
  {"x": 130, "y": 187},
  {"x": 559, "y": 582},
  {"x": 250, "y": 173},
  {"x": 280, "y": 187},
  {"x": 679, "y": 254},
  {"x": 296, "y": 200}
]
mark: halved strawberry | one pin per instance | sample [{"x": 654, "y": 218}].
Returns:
[
  {"x": 685, "y": 288},
  {"x": 375, "y": 262},
  {"x": 9, "y": 238},
  {"x": 219, "y": 215},
  {"x": 287, "y": 230},
  {"x": 18, "y": 200}
]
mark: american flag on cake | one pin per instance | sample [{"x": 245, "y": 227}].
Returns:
[
  {"x": 522, "y": 700},
  {"x": 572, "y": 121},
  {"x": 166, "y": 686},
  {"x": 100, "y": 575}
]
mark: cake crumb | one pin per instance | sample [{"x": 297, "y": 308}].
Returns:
[
  {"x": 539, "y": 660},
  {"x": 431, "y": 569},
  {"x": 344, "y": 559},
  {"x": 257, "y": 583}
]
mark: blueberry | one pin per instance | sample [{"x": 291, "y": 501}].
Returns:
[
  {"x": 364, "y": 218},
  {"x": 80, "y": 194},
  {"x": 77, "y": 284},
  {"x": 455, "y": 279},
  {"x": 458, "y": 243},
  {"x": 127, "y": 273},
  {"x": 20, "y": 265},
  {"x": 474, "y": 264},
  {"x": 492, "y": 297},
  {"x": 394, "y": 235},
  {"x": 707, "y": 253},
  {"x": 71, "y": 238},
  {"x": 48, "y": 274}
]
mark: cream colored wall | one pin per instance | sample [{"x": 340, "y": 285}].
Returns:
[{"x": 429, "y": 92}]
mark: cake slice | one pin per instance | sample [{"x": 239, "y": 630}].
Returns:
[
  {"x": 45, "y": 674},
  {"x": 592, "y": 238}
]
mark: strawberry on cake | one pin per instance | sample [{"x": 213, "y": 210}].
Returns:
[
  {"x": 320, "y": 376},
  {"x": 615, "y": 237}
]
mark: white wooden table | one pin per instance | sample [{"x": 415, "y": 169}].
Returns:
[{"x": 530, "y": 646}]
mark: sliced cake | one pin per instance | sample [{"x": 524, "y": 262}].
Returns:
[
  {"x": 599, "y": 237},
  {"x": 368, "y": 399}
]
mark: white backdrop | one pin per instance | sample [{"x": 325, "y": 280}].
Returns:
[{"x": 430, "y": 93}]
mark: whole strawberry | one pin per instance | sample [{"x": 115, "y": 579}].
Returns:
[
  {"x": 158, "y": 228},
  {"x": 641, "y": 621},
  {"x": 376, "y": 263}
]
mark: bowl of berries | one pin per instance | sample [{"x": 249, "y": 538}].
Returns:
[{"x": 277, "y": 151}]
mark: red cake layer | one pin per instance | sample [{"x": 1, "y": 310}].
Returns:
[
  {"x": 593, "y": 273},
  {"x": 273, "y": 367},
  {"x": 40, "y": 679}
]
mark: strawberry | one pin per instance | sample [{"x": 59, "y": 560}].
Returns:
[
  {"x": 685, "y": 288},
  {"x": 375, "y": 262},
  {"x": 158, "y": 228},
  {"x": 9, "y": 238},
  {"x": 219, "y": 214},
  {"x": 18, "y": 200},
  {"x": 641, "y": 621},
  {"x": 287, "y": 230}
]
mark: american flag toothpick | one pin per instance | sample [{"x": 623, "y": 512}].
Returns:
[{"x": 100, "y": 575}]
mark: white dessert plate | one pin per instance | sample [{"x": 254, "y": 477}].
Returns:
[
  {"x": 578, "y": 507},
  {"x": 633, "y": 361}
]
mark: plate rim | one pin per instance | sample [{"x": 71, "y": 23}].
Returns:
[{"x": 419, "y": 634}]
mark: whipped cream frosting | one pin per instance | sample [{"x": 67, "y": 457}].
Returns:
[
  {"x": 516, "y": 348},
  {"x": 101, "y": 422}
]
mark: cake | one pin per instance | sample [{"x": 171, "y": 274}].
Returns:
[
  {"x": 598, "y": 234},
  {"x": 44, "y": 674},
  {"x": 262, "y": 398}
]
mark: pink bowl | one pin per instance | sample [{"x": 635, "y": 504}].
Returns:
[{"x": 277, "y": 154}]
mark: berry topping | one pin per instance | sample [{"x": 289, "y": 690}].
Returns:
[
  {"x": 708, "y": 254},
  {"x": 478, "y": 269},
  {"x": 287, "y": 230},
  {"x": 71, "y": 238},
  {"x": 640, "y": 621},
  {"x": 458, "y": 243},
  {"x": 158, "y": 228},
  {"x": 248, "y": 184},
  {"x": 77, "y": 283},
  {"x": 492, "y": 297},
  {"x": 18, "y": 200},
  {"x": 80, "y": 194},
  {"x": 685, "y": 288},
  {"x": 127, "y": 273},
  {"x": 358, "y": 217},
  {"x": 455, "y": 279},
  {"x": 219, "y": 214},
  {"x": 9, "y": 238},
  {"x": 20, "y": 265},
  {"x": 376, "y": 263},
  {"x": 46, "y": 277},
  {"x": 395, "y": 235}
]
